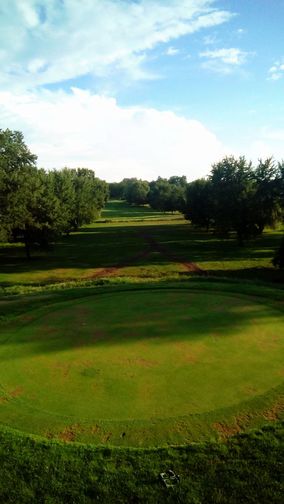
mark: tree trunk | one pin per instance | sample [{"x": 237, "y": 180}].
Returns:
[{"x": 27, "y": 245}]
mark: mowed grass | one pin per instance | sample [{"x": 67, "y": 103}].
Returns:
[
  {"x": 142, "y": 366},
  {"x": 139, "y": 243}
]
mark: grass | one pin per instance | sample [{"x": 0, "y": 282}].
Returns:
[
  {"x": 150, "y": 249},
  {"x": 169, "y": 365},
  {"x": 247, "y": 469},
  {"x": 147, "y": 261}
]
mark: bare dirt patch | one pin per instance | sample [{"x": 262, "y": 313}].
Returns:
[
  {"x": 70, "y": 433},
  {"x": 276, "y": 411},
  {"x": 226, "y": 430}
]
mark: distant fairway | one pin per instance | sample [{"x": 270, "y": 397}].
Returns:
[{"x": 140, "y": 366}]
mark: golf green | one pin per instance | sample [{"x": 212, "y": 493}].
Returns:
[{"x": 128, "y": 363}]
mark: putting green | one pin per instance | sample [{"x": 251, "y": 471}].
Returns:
[{"x": 130, "y": 364}]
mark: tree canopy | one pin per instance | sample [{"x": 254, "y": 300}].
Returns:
[{"x": 35, "y": 205}]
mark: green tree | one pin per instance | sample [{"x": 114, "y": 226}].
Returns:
[
  {"x": 199, "y": 206},
  {"x": 233, "y": 192},
  {"x": 90, "y": 197},
  {"x": 18, "y": 186},
  {"x": 36, "y": 206},
  {"x": 267, "y": 197},
  {"x": 136, "y": 191}
]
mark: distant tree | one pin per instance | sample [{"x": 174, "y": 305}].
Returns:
[
  {"x": 91, "y": 195},
  {"x": 168, "y": 195},
  {"x": 160, "y": 195},
  {"x": 178, "y": 181},
  {"x": 116, "y": 190},
  {"x": 136, "y": 191},
  {"x": 199, "y": 205}
]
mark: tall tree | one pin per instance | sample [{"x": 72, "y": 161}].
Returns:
[
  {"x": 233, "y": 190},
  {"x": 267, "y": 197},
  {"x": 199, "y": 205}
]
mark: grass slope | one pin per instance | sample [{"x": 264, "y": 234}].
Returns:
[{"x": 247, "y": 469}]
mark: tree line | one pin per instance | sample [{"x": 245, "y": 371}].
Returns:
[
  {"x": 165, "y": 195},
  {"x": 38, "y": 205},
  {"x": 236, "y": 197}
]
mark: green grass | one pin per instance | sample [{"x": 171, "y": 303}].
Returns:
[
  {"x": 151, "y": 248},
  {"x": 126, "y": 272},
  {"x": 169, "y": 365},
  {"x": 247, "y": 469}
]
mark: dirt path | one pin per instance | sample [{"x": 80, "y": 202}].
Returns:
[{"x": 153, "y": 246}]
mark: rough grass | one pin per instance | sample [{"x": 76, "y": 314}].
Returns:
[{"x": 246, "y": 469}]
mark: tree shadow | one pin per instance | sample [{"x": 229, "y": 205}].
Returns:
[
  {"x": 119, "y": 246},
  {"x": 120, "y": 318}
]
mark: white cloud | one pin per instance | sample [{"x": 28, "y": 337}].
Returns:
[
  {"x": 276, "y": 72},
  {"x": 83, "y": 129},
  {"x": 231, "y": 56},
  {"x": 72, "y": 38},
  {"x": 171, "y": 51},
  {"x": 224, "y": 60}
]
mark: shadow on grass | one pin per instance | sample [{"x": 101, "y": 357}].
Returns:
[
  {"x": 105, "y": 246},
  {"x": 119, "y": 318}
]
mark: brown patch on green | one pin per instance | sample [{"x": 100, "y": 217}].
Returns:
[
  {"x": 95, "y": 429},
  {"x": 106, "y": 437},
  {"x": 139, "y": 361},
  {"x": 16, "y": 392},
  {"x": 276, "y": 411},
  {"x": 3, "y": 400},
  {"x": 62, "y": 368},
  {"x": 190, "y": 354},
  {"x": 190, "y": 359},
  {"x": 70, "y": 433},
  {"x": 268, "y": 344},
  {"x": 226, "y": 430}
]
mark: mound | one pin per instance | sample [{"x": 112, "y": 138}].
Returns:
[{"x": 143, "y": 366}]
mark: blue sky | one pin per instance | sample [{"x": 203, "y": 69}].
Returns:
[{"x": 143, "y": 88}]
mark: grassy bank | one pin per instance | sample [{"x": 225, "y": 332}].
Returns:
[{"x": 248, "y": 469}]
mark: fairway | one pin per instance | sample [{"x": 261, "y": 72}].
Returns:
[{"x": 140, "y": 366}]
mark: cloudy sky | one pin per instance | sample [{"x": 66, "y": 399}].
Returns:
[{"x": 143, "y": 88}]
